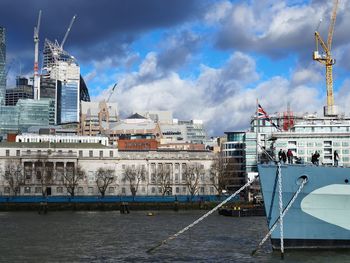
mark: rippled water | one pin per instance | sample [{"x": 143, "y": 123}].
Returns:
[{"x": 112, "y": 237}]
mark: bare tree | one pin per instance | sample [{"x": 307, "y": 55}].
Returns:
[
  {"x": 72, "y": 176},
  {"x": 220, "y": 173},
  {"x": 162, "y": 175},
  {"x": 104, "y": 178},
  {"x": 14, "y": 176},
  {"x": 44, "y": 173},
  {"x": 192, "y": 174},
  {"x": 226, "y": 173},
  {"x": 134, "y": 175}
]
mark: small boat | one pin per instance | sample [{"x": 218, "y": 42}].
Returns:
[
  {"x": 319, "y": 216},
  {"x": 242, "y": 211}
]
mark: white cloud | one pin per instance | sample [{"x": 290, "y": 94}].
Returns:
[
  {"x": 313, "y": 73},
  {"x": 219, "y": 96},
  {"x": 225, "y": 97},
  {"x": 218, "y": 11}
]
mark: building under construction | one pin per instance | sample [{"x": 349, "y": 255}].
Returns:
[
  {"x": 53, "y": 99},
  {"x": 61, "y": 81}
]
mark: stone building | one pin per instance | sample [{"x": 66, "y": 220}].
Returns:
[{"x": 34, "y": 161}]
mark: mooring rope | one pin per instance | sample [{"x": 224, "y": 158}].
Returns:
[
  {"x": 283, "y": 214},
  {"x": 280, "y": 207},
  {"x": 202, "y": 217}
]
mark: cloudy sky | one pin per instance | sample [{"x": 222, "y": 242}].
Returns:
[{"x": 201, "y": 59}]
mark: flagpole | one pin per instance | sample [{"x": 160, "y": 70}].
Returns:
[{"x": 257, "y": 131}]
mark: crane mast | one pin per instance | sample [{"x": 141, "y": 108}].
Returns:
[
  {"x": 327, "y": 60},
  {"x": 111, "y": 93},
  {"x": 36, "y": 83},
  {"x": 67, "y": 32}
]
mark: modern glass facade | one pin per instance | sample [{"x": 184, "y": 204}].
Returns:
[
  {"x": 68, "y": 102},
  {"x": 25, "y": 114},
  {"x": 2, "y": 66}
]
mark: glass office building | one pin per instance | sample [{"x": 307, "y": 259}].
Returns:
[
  {"x": 25, "y": 114},
  {"x": 67, "y": 102}
]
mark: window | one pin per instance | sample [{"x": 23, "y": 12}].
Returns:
[
  {"x": 111, "y": 190},
  {"x": 28, "y": 174},
  {"x": 7, "y": 190},
  {"x": 159, "y": 190},
  {"x": 91, "y": 154},
  {"x": 111, "y": 154},
  {"x": 59, "y": 189},
  {"x": 7, "y": 175},
  {"x": 70, "y": 152},
  {"x": 101, "y": 154},
  {"x": 28, "y": 151},
  {"x": 123, "y": 166},
  {"x": 38, "y": 190},
  {"x": 211, "y": 190},
  {"x": 80, "y": 153},
  {"x": 123, "y": 190},
  {"x": 202, "y": 190},
  {"x": 27, "y": 190},
  {"x": 345, "y": 151},
  {"x": 39, "y": 151},
  {"x": 18, "y": 153},
  {"x": 143, "y": 189},
  {"x": 80, "y": 190},
  {"x": 38, "y": 175},
  {"x": 177, "y": 190},
  {"x": 184, "y": 190},
  {"x": 90, "y": 190},
  {"x": 59, "y": 151},
  {"x": 7, "y": 152}
]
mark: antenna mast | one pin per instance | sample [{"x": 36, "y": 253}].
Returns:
[{"x": 36, "y": 83}]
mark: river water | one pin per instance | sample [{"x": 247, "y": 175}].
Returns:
[{"x": 112, "y": 237}]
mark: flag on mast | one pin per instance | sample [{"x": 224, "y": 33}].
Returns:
[
  {"x": 264, "y": 116},
  {"x": 262, "y": 113}
]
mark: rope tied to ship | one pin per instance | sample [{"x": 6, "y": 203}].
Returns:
[
  {"x": 290, "y": 203},
  {"x": 280, "y": 207},
  {"x": 202, "y": 217}
]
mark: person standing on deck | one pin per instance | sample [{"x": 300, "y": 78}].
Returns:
[
  {"x": 284, "y": 157},
  {"x": 280, "y": 155},
  {"x": 336, "y": 158},
  {"x": 290, "y": 156},
  {"x": 316, "y": 158}
]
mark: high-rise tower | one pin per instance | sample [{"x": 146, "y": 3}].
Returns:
[
  {"x": 59, "y": 65},
  {"x": 2, "y": 66}
]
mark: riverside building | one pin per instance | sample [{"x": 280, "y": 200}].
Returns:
[
  {"x": 55, "y": 160},
  {"x": 302, "y": 134}
]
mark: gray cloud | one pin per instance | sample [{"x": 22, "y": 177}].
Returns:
[
  {"x": 279, "y": 28},
  {"x": 102, "y": 28},
  {"x": 178, "y": 50}
]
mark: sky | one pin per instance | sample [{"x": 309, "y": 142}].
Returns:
[{"x": 200, "y": 59}]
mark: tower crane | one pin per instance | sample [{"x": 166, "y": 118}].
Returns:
[
  {"x": 327, "y": 60},
  {"x": 111, "y": 93},
  {"x": 36, "y": 59},
  {"x": 68, "y": 30}
]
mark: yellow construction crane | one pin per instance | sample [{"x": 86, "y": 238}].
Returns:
[{"x": 326, "y": 59}]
